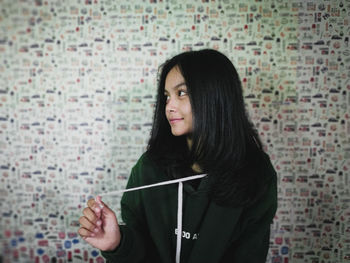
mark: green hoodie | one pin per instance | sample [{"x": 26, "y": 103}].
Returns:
[{"x": 211, "y": 233}]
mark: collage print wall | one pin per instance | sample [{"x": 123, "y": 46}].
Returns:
[{"x": 77, "y": 90}]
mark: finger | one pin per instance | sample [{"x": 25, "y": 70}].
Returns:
[
  {"x": 85, "y": 223},
  {"x": 96, "y": 207},
  {"x": 100, "y": 203},
  {"x": 107, "y": 214},
  {"x": 98, "y": 200},
  {"x": 101, "y": 208},
  {"x": 90, "y": 214},
  {"x": 91, "y": 203},
  {"x": 106, "y": 211},
  {"x": 84, "y": 233}
]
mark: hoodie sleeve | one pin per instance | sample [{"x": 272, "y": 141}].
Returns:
[
  {"x": 135, "y": 240},
  {"x": 130, "y": 250},
  {"x": 252, "y": 244}
]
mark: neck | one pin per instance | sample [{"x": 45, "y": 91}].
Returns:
[
  {"x": 189, "y": 143},
  {"x": 195, "y": 167}
]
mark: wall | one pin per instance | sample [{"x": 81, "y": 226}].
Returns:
[{"x": 77, "y": 89}]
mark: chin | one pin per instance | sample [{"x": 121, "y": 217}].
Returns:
[{"x": 178, "y": 133}]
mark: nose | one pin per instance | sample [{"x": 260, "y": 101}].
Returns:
[{"x": 171, "y": 105}]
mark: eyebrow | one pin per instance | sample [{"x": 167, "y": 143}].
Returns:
[{"x": 176, "y": 86}]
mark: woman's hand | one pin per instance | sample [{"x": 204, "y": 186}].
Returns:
[{"x": 99, "y": 226}]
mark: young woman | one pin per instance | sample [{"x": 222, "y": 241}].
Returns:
[{"x": 200, "y": 127}]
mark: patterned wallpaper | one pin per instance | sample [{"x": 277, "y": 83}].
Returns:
[{"x": 77, "y": 90}]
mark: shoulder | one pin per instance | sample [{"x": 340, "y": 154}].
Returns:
[
  {"x": 267, "y": 200},
  {"x": 268, "y": 174},
  {"x": 267, "y": 161},
  {"x": 146, "y": 162},
  {"x": 146, "y": 171}
]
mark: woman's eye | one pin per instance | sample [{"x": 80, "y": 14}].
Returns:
[{"x": 182, "y": 93}]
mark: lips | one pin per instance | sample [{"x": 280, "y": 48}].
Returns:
[{"x": 175, "y": 120}]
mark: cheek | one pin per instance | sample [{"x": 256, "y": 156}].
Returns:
[
  {"x": 166, "y": 110},
  {"x": 189, "y": 112}
]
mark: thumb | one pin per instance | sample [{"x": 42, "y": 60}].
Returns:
[{"x": 106, "y": 211}]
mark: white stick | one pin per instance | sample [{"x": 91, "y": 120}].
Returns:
[{"x": 154, "y": 185}]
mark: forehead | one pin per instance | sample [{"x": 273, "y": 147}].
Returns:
[{"x": 173, "y": 79}]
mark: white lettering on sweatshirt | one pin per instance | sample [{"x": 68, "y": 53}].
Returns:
[{"x": 188, "y": 235}]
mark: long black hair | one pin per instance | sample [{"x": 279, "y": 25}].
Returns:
[{"x": 224, "y": 142}]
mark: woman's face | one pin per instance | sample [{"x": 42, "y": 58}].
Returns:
[{"x": 178, "y": 109}]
